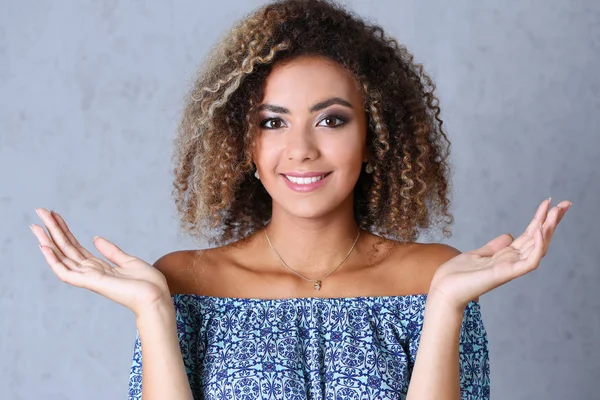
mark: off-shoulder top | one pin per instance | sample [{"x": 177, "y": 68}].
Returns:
[{"x": 311, "y": 348}]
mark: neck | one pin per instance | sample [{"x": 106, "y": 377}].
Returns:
[{"x": 312, "y": 246}]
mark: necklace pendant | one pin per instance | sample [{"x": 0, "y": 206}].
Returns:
[{"x": 318, "y": 285}]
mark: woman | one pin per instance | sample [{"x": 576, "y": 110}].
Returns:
[{"x": 312, "y": 150}]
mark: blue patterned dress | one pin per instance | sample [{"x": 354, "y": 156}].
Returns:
[{"x": 311, "y": 348}]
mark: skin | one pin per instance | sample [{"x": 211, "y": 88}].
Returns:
[{"x": 312, "y": 231}]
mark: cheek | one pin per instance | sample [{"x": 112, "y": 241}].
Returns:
[
  {"x": 266, "y": 153},
  {"x": 346, "y": 152}
]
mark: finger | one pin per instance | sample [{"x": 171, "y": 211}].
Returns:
[
  {"x": 112, "y": 252},
  {"x": 528, "y": 246},
  {"x": 565, "y": 206},
  {"x": 536, "y": 252},
  {"x": 58, "y": 238},
  {"x": 60, "y": 269},
  {"x": 69, "y": 235},
  {"x": 44, "y": 240},
  {"x": 539, "y": 218},
  {"x": 551, "y": 218},
  {"x": 524, "y": 253},
  {"x": 557, "y": 215},
  {"x": 494, "y": 245},
  {"x": 523, "y": 242}
]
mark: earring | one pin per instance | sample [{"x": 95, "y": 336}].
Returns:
[
  {"x": 368, "y": 169},
  {"x": 256, "y": 175}
]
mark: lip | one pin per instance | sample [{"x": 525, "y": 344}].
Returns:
[
  {"x": 309, "y": 187},
  {"x": 306, "y": 174}
]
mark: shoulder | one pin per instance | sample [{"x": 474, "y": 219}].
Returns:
[
  {"x": 433, "y": 255},
  {"x": 436, "y": 254},
  {"x": 427, "y": 257},
  {"x": 179, "y": 268},
  {"x": 199, "y": 271},
  {"x": 422, "y": 261}
]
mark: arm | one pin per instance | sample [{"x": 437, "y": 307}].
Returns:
[
  {"x": 133, "y": 283},
  {"x": 436, "y": 373},
  {"x": 163, "y": 370},
  {"x": 455, "y": 284},
  {"x": 452, "y": 343}
]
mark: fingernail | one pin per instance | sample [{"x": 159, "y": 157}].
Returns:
[
  {"x": 549, "y": 200},
  {"x": 31, "y": 227},
  {"x": 38, "y": 213},
  {"x": 94, "y": 238}
]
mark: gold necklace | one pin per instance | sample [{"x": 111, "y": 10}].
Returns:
[{"x": 318, "y": 282}]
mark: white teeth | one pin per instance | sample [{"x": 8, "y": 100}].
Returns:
[{"x": 304, "y": 181}]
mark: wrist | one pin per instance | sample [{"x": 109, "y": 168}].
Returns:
[
  {"x": 158, "y": 311},
  {"x": 439, "y": 301}
]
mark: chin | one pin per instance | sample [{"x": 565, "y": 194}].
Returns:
[
  {"x": 308, "y": 213},
  {"x": 310, "y": 209}
]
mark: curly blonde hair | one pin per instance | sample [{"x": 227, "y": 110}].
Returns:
[{"x": 215, "y": 191}]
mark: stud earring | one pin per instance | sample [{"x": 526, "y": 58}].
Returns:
[
  {"x": 368, "y": 169},
  {"x": 256, "y": 175}
]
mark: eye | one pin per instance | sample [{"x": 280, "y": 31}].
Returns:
[
  {"x": 277, "y": 125},
  {"x": 330, "y": 121}
]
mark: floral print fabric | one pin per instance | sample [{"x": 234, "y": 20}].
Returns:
[{"x": 311, "y": 348}]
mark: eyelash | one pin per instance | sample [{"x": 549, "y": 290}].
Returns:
[{"x": 338, "y": 117}]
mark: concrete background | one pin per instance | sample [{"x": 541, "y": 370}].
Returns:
[{"x": 90, "y": 96}]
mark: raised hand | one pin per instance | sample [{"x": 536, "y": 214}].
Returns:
[
  {"x": 132, "y": 282},
  {"x": 471, "y": 274}
]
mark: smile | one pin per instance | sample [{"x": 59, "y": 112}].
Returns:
[{"x": 306, "y": 183}]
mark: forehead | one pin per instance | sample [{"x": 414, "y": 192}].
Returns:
[{"x": 306, "y": 80}]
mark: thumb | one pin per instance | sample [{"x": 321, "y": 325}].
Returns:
[
  {"x": 494, "y": 245},
  {"x": 112, "y": 252}
]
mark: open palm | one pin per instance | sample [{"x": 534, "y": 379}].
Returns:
[
  {"x": 471, "y": 274},
  {"x": 132, "y": 282}
]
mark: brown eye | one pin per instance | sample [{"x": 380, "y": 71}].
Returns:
[
  {"x": 275, "y": 123},
  {"x": 330, "y": 121}
]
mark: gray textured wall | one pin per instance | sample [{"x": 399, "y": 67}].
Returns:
[{"x": 90, "y": 95}]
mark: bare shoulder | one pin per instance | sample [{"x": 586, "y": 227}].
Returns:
[
  {"x": 430, "y": 256},
  {"x": 420, "y": 263},
  {"x": 436, "y": 254},
  {"x": 180, "y": 268},
  {"x": 199, "y": 271}
]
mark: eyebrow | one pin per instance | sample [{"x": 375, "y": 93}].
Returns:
[{"x": 319, "y": 106}]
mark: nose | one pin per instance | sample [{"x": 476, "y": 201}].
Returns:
[{"x": 300, "y": 145}]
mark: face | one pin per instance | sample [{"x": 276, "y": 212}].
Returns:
[{"x": 312, "y": 140}]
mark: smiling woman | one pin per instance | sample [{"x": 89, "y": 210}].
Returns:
[
  {"x": 326, "y": 64},
  {"x": 307, "y": 143},
  {"x": 311, "y": 151}
]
